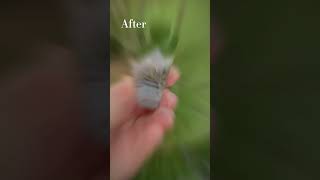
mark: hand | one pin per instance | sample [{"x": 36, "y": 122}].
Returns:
[{"x": 134, "y": 132}]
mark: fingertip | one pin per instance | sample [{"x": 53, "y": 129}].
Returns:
[
  {"x": 169, "y": 99},
  {"x": 123, "y": 87},
  {"x": 127, "y": 84},
  {"x": 175, "y": 71},
  {"x": 126, "y": 78},
  {"x": 173, "y": 76},
  {"x": 165, "y": 117}
]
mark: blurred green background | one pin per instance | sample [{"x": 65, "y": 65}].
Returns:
[
  {"x": 267, "y": 82},
  {"x": 185, "y": 154}
]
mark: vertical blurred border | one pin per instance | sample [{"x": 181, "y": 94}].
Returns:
[{"x": 54, "y": 89}]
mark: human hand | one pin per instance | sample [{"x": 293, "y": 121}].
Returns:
[{"x": 135, "y": 132}]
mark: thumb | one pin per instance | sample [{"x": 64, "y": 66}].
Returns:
[{"x": 123, "y": 104}]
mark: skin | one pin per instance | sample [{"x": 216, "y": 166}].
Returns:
[{"x": 135, "y": 133}]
